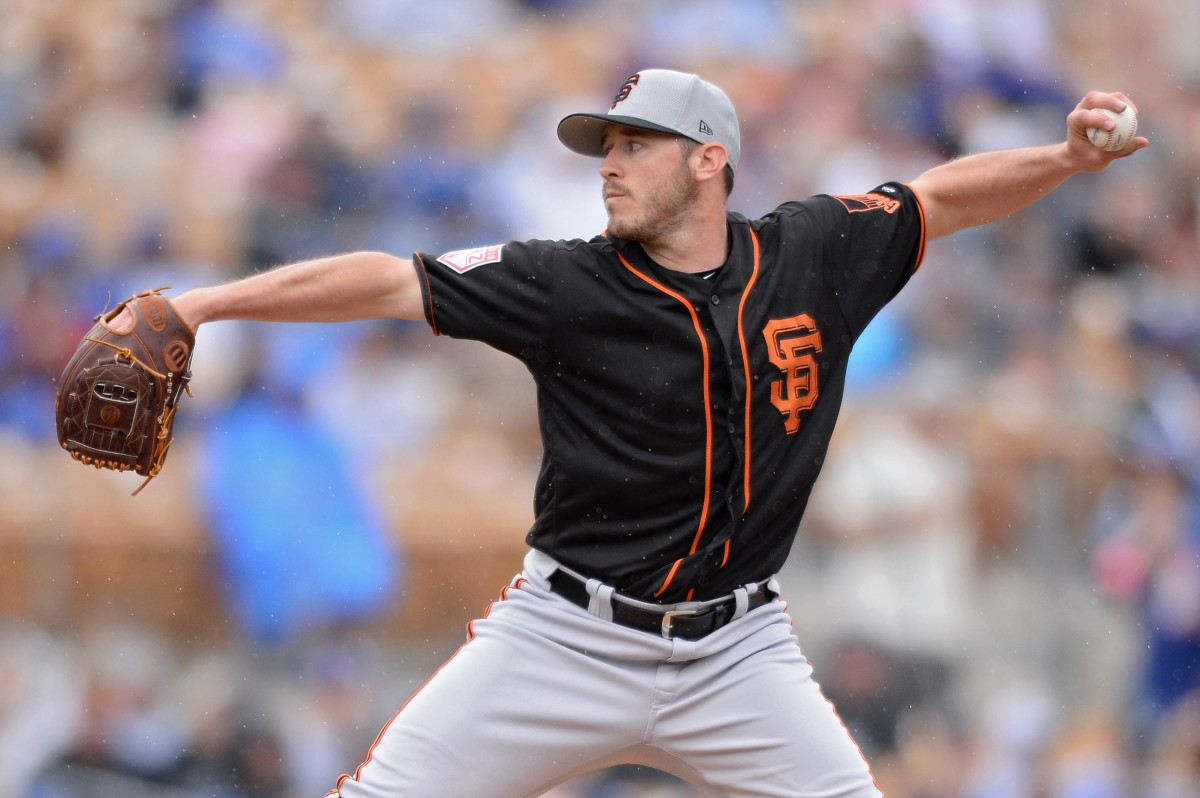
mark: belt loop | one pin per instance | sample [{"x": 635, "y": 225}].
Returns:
[
  {"x": 741, "y": 602},
  {"x": 600, "y": 604}
]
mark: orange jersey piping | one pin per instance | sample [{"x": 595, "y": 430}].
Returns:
[
  {"x": 850, "y": 736},
  {"x": 708, "y": 430},
  {"x": 921, "y": 246},
  {"x": 426, "y": 292},
  {"x": 746, "y": 368}
]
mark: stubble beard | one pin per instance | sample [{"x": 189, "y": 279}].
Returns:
[{"x": 664, "y": 209}]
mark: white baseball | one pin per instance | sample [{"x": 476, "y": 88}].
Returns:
[{"x": 1119, "y": 136}]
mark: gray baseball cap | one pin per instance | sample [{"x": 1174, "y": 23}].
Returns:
[{"x": 666, "y": 101}]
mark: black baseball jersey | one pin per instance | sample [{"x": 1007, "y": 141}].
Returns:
[{"x": 683, "y": 419}]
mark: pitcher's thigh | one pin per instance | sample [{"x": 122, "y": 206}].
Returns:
[
  {"x": 760, "y": 726},
  {"x": 509, "y": 712}
]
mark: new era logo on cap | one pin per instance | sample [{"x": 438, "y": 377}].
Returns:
[{"x": 666, "y": 101}]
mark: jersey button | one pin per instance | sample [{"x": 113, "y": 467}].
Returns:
[{"x": 716, "y": 300}]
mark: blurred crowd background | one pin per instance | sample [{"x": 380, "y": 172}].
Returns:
[{"x": 999, "y": 578}]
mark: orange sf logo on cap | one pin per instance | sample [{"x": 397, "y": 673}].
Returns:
[{"x": 623, "y": 94}]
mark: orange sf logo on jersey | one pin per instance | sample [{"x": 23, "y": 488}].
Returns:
[{"x": 792, "y": 345}]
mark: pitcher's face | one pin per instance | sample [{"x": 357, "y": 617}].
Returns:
[{"x": 648, "y": 185}]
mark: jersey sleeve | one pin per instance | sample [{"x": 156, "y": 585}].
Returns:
[
  {"x": 875, "y": 243},
  {"x": 499, "y": 294}
]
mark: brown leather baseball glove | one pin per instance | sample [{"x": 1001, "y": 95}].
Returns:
[{"x": 118, "y": 395}]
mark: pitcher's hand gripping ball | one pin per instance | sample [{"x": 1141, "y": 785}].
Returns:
[
  {"x": 1125, "y": 128},
  {"x": 118, "y": 395}
]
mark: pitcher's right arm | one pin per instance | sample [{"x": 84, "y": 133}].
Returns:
[{"x": 347, "y": 287}]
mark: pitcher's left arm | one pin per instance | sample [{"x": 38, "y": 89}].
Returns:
[{"x": 981, "y": 188}]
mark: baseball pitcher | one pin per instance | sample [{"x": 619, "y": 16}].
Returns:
[{"x": 689, "y": 363}]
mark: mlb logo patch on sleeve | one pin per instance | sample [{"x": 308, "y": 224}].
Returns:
[{"x": 463, "y": 260}]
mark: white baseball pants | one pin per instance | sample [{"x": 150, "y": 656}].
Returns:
[{"x": 543, "y": 691}]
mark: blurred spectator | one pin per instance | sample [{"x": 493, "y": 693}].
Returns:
[
  {"x": 41, "y": 703},
  {"x": 299, "y": 538},
  {"x": 1148, "y": 552},
  {"x": 306, "y": 196}
]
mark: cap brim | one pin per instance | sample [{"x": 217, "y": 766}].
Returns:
[{"x": 584, "y": 133}]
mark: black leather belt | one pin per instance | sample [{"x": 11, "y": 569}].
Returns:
[{"x": 686, "y": 624}]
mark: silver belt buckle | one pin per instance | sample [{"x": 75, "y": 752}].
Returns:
[{"x": 668, "y": 616}]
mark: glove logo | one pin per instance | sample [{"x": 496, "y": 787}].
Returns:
[
  {"x": 176, "y": 355},
  {"x": 154, "y": 311},
  {"x": 792, "y": 345},
  {"x": 110, "y": 415}
]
